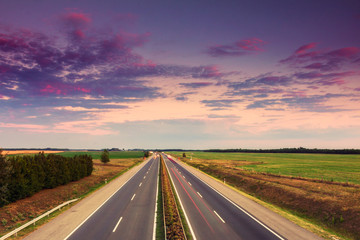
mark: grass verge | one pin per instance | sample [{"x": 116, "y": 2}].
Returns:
[
  {"x": 160, "y": 229},
  {"x": 173, "y": 220}
]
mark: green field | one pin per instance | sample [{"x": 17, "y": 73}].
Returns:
[
  {"x": 113, "y": 154},
  {"x": 332, "y": 167}
]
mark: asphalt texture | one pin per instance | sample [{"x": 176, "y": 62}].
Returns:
[{"x": 129, "y": 213}]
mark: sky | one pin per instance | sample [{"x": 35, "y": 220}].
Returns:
[{"x": 180, "y": 74}]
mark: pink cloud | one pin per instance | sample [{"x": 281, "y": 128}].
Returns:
[
  {"x": 76, "y": 19},
  {"x": 252, "y": 44},
  {"x": 211, "y": 71},
  {"x": 304, "y": 48},
  {"x": 239, "y": 48},
  {"x": 62, "y": 89},
  {"x": 323, "y": 60},
  {"x": 25, "y": 126},
  {"x": 347, "y": 52}
]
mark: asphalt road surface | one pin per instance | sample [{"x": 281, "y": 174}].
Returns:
[
  {"x": 210, "y": 215},
  {"x": 129, "y": 213}
]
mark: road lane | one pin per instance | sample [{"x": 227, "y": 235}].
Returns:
[
  {"x": 129, "y": 213},
  {"x": 211, "y": 215}
]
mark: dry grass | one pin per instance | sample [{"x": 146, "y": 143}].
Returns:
[{"x": 12, "y": 152}]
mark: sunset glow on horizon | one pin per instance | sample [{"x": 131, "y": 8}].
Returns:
[{"x": 189, "y": 74}]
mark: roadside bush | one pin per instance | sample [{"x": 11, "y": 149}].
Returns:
[
  {"x": 105, "y": 156},
  {"x": 22, "y": 176}
]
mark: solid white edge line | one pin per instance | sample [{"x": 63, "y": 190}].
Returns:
[
  {"x": 219, "y": 216},
  {"x": 101, "y": 205},
  {"x": 117, "y": 224},
  {"x": 186, "y": 217},
  {"x": 155, "y": 215},
  {"x": 199, "y": 194},
  {"x": 133, "y": 197},
  {"x": 243, "y": 210}
]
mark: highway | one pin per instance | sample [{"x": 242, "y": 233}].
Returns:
[
  {"x": 129, "y": 213},
  {"x": 210, "y": 215}
]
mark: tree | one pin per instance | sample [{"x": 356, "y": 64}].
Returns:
[
  {"x": 184, "y": 155},
  {"x": 105, "y": 156},
  {"x": 4, "y": 175},
  {"x": 146, "y": 154}
]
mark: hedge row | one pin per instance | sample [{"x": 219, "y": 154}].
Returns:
[{"x": 22, "y": 176}]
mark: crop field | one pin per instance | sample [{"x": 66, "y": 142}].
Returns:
[
  {"x": 113, "y": 154},
  {"x": 94, "y": 154},
  {"x": 329, "y": 167},
  {"x": 322, "y": 188}
]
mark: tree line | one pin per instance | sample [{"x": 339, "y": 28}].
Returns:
[
  {"x": 22, "y": 176},
  {"x": 290, "y": 150}
]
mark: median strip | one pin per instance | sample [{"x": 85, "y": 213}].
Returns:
[{"x": 173, "y": 225}]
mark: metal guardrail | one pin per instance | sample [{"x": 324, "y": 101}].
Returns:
[{"x": 36, "y": 219}]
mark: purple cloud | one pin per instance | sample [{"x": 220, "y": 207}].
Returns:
[
  {"x": 239, "y": 48},
  {"x": 81, "y": 61},
  {"x": 322, "y": 60},
  {"x": 313, "y": 103},
  {"x": 335, "y": 78},
  {"x": 196, "y": 84},
  {"x": 262, "y": 80},
  {"x": 220, "y": 104}
]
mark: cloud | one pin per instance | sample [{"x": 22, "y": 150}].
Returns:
[
  {"x": 44, "y": 70},
  {"x": 313, "y": 103},
  {"x": 239, "y": 48},
  {"x": 220, "y": 104},
  {"x": 262, "y": 80},
  {"x": 184, "y": 96},
  {"x": 196, "y": 84},
  {"x": 303, "y": 49},
  {"x": 325, "y": 79},
  {"x": 216, "y": 116},
  {"x": 322, "y": 60}
]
